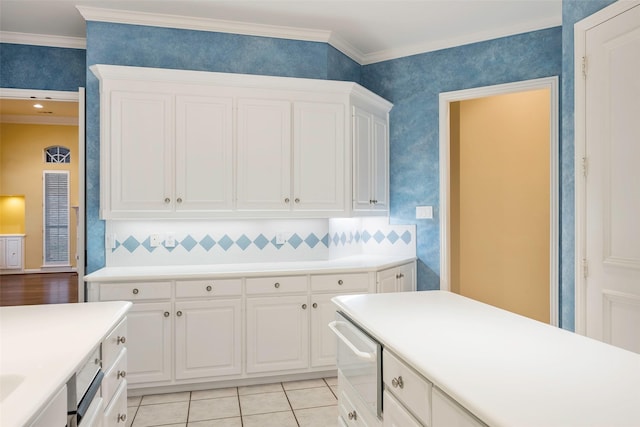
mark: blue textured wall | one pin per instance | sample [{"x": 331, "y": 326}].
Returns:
[
  {"x": 39, "y": 67},
  {"x": 144, "y": 46},
  {"x": 572, "y": 12}
]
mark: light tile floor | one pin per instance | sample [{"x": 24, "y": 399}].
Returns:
[{"x": 308, "y": 403}]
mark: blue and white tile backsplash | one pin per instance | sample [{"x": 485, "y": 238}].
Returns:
[{"x": 218, "y": 242}]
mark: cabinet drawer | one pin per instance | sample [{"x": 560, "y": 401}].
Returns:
[
  {"x": 411, "y": 389},
  {"x": 113, "y": 376},
  {"x": 447, "y": 412},
  {"x": 276, "y": 285},
  {"x": 113, "y": 344},
  {"x": 340, "y": 282},
  {"x": 115, "y": 413},
  {"x": 395, "y": 415},
  {"x": 135, "y": 291},
  {"x": 208, "y": 288}
]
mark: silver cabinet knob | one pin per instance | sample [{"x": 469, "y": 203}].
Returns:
[
  {"x": 121, "y": 374},
  {"x": 179, "y": 313},
  {"x": 286, "y": 200},
  {"x": 370, "y": 201},
  {"x": 352, "y": 415},
  {"x": 397, "y": 276},
  {"x": 314, "y": 305},
  {"x": 276, "y": 285},
  {"x": 297, "y": 200},
  {"x": 135, "y": 291},
  {"x": 122, "y": 418},
  {"x": 304, "y": 306},
  {"x": 97, "y": 361},
  {"x": 121, "y": 340},
  {"x": 179, "y": 200},
  {"x": 397, "y": 382},
  {"x": 375, "y": 202},
  {"x": 209, "y": 288},
  {"x": 167, "y": 200},
  {"x": 340, "y": 282},
  {"x": 401, "y": 275},
  {"x": 166, "y": 314}
]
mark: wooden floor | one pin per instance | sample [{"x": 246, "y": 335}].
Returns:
[{"x": 45, "y": 288}]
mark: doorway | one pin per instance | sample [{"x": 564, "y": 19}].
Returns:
[
  {"x": 60, "y": 118},
  {"x": 499, "y": 196}
]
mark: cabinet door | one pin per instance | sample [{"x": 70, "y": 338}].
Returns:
[
  {"x": 362, "y": 136},
  {"x": 395, "y": 415},
  {"x": 149, "y": 345},
  {"x": 115, "y": 414},
  {"x": 323, "y": 341},
  {"x": 388, "y": 280},
  {"x": 277, "y": 333},
  {"x": 380, "y": 164},
  {"x": 3, "y": 252},
  {"x": 141, "y": 142},
  {"x": 208, "y": 335},
  {"x": 13, "y": 252},
  {"x": 318, "y": 150},
  {"x": 447, "y": 413},
  {"x": 407, "y": 277},
  {"x": 204, "y": 153},
  {"x": 264, "y": 155}
]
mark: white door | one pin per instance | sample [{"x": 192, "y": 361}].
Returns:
[
  {"x": 264, "y": 155},
  {"x": 388, "y": 280},
  {"x": 318, "y": 157},
  {"x": 277, "y": 333},
  {"x": 323, "y": 340},
  {"x": 612, "y": 197},
  {"x": 149, "y": 342},
  {"x": 204, "y": 153},
  {"x": 208, "y": 338},
  {"x": 407, "y": 277}
]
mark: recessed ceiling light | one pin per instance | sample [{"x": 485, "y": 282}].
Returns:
[{"x": 37, "y": 106}]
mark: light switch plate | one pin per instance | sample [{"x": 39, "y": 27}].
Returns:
[
  {"x": 424, "y": 212},
  {"x": 154, "y": 240},
  {"x": 170, "y": 240}
]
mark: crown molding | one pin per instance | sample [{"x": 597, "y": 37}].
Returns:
[
  {"x": 420, "y": 48},
  {"x": 43, "y": 40},
  {"x": 38, "y": 120},
  {"x": 54, "y": 95}
]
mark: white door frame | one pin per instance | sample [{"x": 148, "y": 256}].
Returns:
[
  {"x": 68, "y": 96},
  {"x": 580, "y": 35},
  {"x": 446, "y": 98}
]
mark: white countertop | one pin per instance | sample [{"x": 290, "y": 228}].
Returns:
[
  {"x": 506, "y": 369},
  {"x": 41, "y": 347},
  {"x": 354, "y": 263}
]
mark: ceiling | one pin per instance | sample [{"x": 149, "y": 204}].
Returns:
[
  {"x": 52, "y": 112},
  {"x": 368, "y": 31}
]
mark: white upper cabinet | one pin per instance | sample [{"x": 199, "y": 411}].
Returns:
[{"x": 193, "y": 144}]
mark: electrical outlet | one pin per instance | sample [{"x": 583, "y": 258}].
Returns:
[
  {"x": 154, "y": 240},
  {"x": 281, "y": 237},
  {"x": 170, "y": 240}
]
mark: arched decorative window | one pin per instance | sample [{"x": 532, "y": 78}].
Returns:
[{"x": 57, "y": 154}]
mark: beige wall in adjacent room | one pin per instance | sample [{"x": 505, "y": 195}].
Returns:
[
  {"x": 500, "y": 201},
  {"x": 21, "y": 170}
]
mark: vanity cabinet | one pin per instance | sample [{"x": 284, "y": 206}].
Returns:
[
  {"x": 191, "y": 144},
  {"x": 397, "y": 279}
]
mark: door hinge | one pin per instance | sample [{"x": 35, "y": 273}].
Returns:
[
  {"x": 585, "y": 268},
  {"x": 584, "y": 66},
  {"x": 585, "y": 166}
]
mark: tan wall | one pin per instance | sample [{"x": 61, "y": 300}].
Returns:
[
  {"x": 21, "y": 168},
  {"x": 500, "y": 202}
]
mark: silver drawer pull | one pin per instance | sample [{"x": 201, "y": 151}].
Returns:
[
  {"x": 304, "y": 306},
  {"x": 277, "y": 285},
  {"x": 97, "y": 361},
  {"x": 397, "y": 382},
  {"x": 135, "y": 291},
  {"x": 167, "y": 314},
  {"x": 352, "y": 415},
  {"x": 209, "y": 288},
  {"x": 179, "y": 200},
  {"x": 315, "y": 305},
  {"x": 179, "y": 313},
  {"x": 121, "y": 340},
  {"x": 297, "y": 200},
  {"x": 286, "y": 200},
  {"x": 340, "y": 282},
  {"x": 122, "y": 418},
  {"x": 121, "y": 374},
  {"x": 167, "y": 200}
]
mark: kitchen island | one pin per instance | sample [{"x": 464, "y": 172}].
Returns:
[
  {"x": 500, "y": 368},
  {"x": 42, "y": 347}
]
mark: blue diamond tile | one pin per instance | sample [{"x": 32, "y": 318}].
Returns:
[
  {"x": 357, "y": 236},
  {"x": 393, "y": 237},
  {"x": 325, "y": 240},
  {"x": 336, "y": 239},
  {"x": 261, "y": 241},
  {"x": 273, "y": 242},
  {"x": 311, "y": 240},
  {"x": 225, "y": 242},
  {"x": 366, "y": 236},
  {"x": 131, "y": 244},
  {"x": 207, "y": 243},
  {"x": 116, "y": 246},
  {"x": 406, "y": 237},
  {"x": 188, "y": 243},
  {"x": 378, "y": 236},
  {"x": 294, "y": 241},
  {"x": 343, "y": 238},
  {"x": 243, "y": 242}
]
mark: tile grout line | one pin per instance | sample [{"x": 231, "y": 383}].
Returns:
[{"x": 289, "y": 402}]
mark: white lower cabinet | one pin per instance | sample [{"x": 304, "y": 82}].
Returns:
[
  {"x": 208, "y": 337},
  {"x": 150, "y": 347},
  {"x": 397, "y": 279},
  {"x": 323, "y": 340},
  {"x": 115, "y": 414},
  {"x": 12, "y": 252},
  {"x": 351, "y": 409},
  {"x": 395, "y": 415},
  {"x": 448, "y": 413},
  {"x": 277, "y": 333}
]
